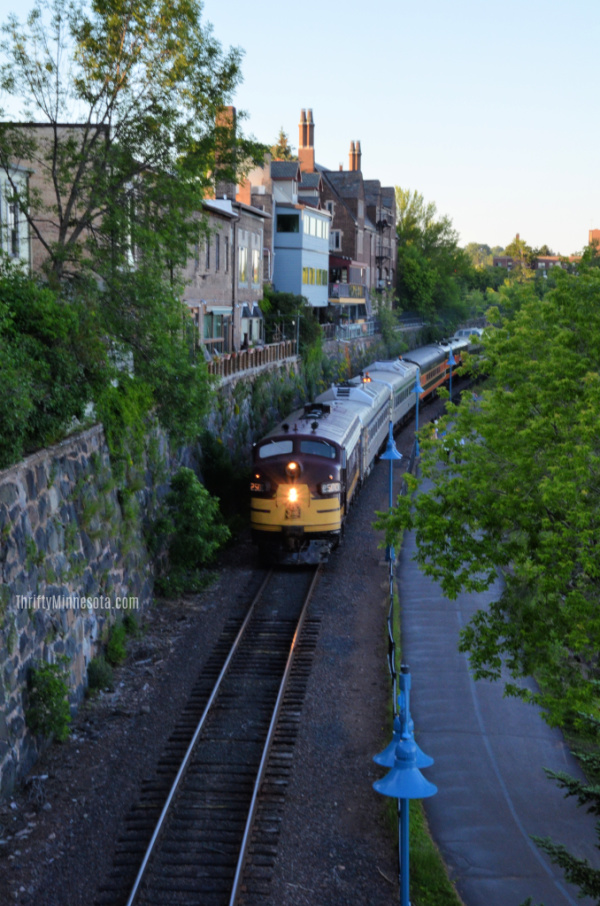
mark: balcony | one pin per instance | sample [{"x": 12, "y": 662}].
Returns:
[{"x": 347, "y": 291}]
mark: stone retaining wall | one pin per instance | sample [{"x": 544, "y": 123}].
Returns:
[{"x": 63, "y": 538}]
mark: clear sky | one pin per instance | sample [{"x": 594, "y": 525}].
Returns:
[{"x": 488, "y": 110}]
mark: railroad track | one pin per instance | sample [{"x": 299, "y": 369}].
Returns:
[{"x": 207, "y": 822}]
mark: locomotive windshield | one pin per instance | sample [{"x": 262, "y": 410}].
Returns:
[
  {"x": 317, "y": 448},
  {"x": 276, "y": 448}
]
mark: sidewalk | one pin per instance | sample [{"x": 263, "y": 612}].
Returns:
[{"x": 489, "y": 754}]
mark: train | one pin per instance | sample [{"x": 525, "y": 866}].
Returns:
[{"x": 308, "y": 469}]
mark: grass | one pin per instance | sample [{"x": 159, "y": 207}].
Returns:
[{"x": 429, "y": 881}]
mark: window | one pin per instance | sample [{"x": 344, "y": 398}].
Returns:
[
  {"x": 335, "y": 239},
  {"x": 317, "y": 448},
  {"x": 213, "y": 326},
  {"x": 217, "y": 252},
  {"x": 255, "y": 266},
  {"x": 226, "y": 238},
  {"x": 207, "y": 261},
  {"x": 242, "y": 264},
  {"x": 275, "y": 448},
  {"x": 288, "y": 223},
  {"x": 13, "y": 227}
]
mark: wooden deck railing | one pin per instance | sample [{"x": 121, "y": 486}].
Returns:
[{"x": 235, "y": 362}]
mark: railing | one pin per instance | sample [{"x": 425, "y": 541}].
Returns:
[
  {"x": 347, "y": 291},
  {"x": 247, "y": 359}
]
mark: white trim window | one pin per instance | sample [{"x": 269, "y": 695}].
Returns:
[{"x": 335, "y": 240}]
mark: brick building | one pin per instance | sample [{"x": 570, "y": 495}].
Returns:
[
  {"x": 224, "y": 279},
  {"x": 362, "y": 233}
]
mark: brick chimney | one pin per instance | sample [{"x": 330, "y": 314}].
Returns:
[
  {"x": 225, "y": 153},
  {"x": 355, "y": 156},
  {"x": 306, "y": 144}
]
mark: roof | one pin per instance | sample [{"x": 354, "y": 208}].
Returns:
[
  {"x": 311, "y": 180},
  {"x": 285, "y": 169},
  {"x": 348, "y": 183},
  {"x": 229, "y": 208}
]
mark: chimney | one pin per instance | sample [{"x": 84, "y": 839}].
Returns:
[
  {"x": 302, "y": 129},
  {"x": 244, "y": 192},
  {"x": 311, "y": 129},
  {"x": 225, "y": 153},
  {"x": 306, "y": 148},
  {"x": 355, "y": 156}
]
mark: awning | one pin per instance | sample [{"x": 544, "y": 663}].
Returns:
[
  {"x": 218, "y": 309},
  {"x": 251, "y": 310}
]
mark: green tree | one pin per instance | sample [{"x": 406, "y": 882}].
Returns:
[
  {"x": 52, "y": 363},
  {"x": 283, "y": 311},
  {"x": 480, "y": 254},
  {"x": 193, "y": 529},
  {"x": 522, "y": 254},
  {"x": 145, "y": 82},
  {"x": 282, "y": 150},
  {"x": 543, "y": 250},
  {"x": 432, "y": 269},
  {"x": 521, "y": 497}
]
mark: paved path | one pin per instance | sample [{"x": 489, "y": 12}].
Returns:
[{"x": 489, "y": 754}]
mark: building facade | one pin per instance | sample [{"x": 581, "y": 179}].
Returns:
[
  {"x": 334, "y": 233},
  {"x": 223, "y": 281}
]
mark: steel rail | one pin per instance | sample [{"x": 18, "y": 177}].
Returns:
[
  {"x": 188, "y": 754},
  {"x": 269, "y": 738}
]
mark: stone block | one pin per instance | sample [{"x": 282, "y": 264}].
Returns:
[{"x": 9, "y": 493}]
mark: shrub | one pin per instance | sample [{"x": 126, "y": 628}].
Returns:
[
  {"x": 48, "y": 713},
  {"x": 116, "y": 651},
  {"x": 100, "y": 674},
  {"x": 193, "y": 531},
  {"x": 131, "y": 624}
]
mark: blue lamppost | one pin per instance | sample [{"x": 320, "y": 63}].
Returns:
[
  {"x": 405, "y": 781},
  {"x": 391, "y": 454},
  {"x": 418, "y": 390},
  {"x": 451, "y": 361}
]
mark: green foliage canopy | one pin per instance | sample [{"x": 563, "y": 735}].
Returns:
[
  {"x": 51, "y": 363},
  {"x": 431, "y": 266},
  {"x": 521, "y": 497}
]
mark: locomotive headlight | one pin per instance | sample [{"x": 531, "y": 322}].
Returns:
[
  {"x": 330, "y": 487},
  {"x": 293, "y": 495},
  {"x": 293, "y": 470}
]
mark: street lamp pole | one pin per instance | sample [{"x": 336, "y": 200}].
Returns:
[
  {"x": 404, "y": 781},
  {"x": 418, "y": 390},
  {"x": 391, "y": 454},
  {"x": 451, "y": 361}
]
